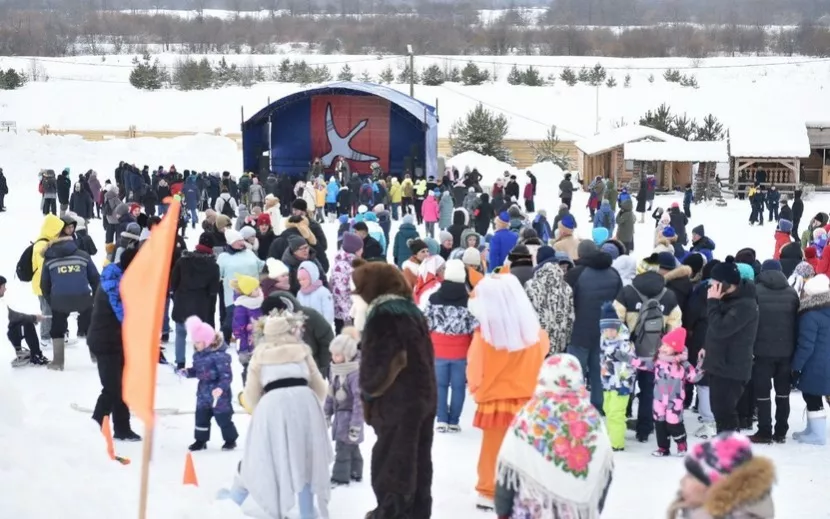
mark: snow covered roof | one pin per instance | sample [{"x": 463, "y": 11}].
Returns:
[
  {"x": 769, "y": 138},
  {"x": 675, "y": 151},
  {"x": 618, "y": 136}
]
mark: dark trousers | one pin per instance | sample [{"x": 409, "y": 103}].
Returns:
[
  {"x": 773, "y": 212},
  {"x": 227, "y": 324},
  {"x": 50, "y": 205},
  {"x": 84, "y": 318},
  {"x": 724, "y": 394},
  {"x": 20, "y": 331},
  {"x": 406, "y": 202},
  {"x": 645, "y": 407},
  {"x": 109, "y": 228},
  {"x": 223, "y": 420},
  {"x": 589, "y": 359},
  {"x": 348, "y": 462},
  {"x": 769, "y": 372},
  {"x": 666, "y": 432},
  {"x": 796, "y": 221},
  {"x": 567, "y": 202},
  {"x": 418, "y": 203},
  {"x": 60, "y": 325},
  {"x": 530, "y": 207},
  {"x": 2, "y": 202},
  {"x": 687, "y": 210},
  {"x": 814, "y": 402},
  {"x": 338, "y": 326},
  {"x": 746, "y": 404},
  {"x": 111, "y": 401}
]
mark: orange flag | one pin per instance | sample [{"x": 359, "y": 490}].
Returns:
[{"x": 143, "y": 291}]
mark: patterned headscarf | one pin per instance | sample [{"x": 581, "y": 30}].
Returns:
[{"x": 557, "y": 453}]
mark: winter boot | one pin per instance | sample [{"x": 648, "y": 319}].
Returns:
[
  {"x": 22, "y": 358},
  {"x": 38, "y": 360},
  {"x": 806, "y": 432},
  {"x": 817, "y": 422},
  {"x": 198, "y": 445},
  {"x": 57, "y": 357}
]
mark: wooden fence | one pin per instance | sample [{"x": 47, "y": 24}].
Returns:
[{"x": 522, "y": 150}]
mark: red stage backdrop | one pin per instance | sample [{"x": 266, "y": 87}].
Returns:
[{"x": 356, "y": 127}]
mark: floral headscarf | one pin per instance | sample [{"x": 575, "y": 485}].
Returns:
[{"x": 557, "y": 452}]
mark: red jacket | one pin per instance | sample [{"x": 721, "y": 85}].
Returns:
[
  {"x": 528, "y": 193},
  {"x": 810, "y": 257},
  {"x": 781, "y": 240}
]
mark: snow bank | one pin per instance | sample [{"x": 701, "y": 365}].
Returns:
[{"x": 490, "y": 168}]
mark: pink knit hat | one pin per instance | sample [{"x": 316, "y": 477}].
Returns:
[
  {"x": 713, "y": 460},
  {"x": 676, "y": 339},
  {"x": 199, "y": 331}
]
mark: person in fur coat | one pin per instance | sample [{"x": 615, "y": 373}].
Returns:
[
  {"x": 397, "y": 382},
  {"x": 287, "y": 451},
  {"x": 552, "y": 299},
  {"x": 724, "y": 480},
  {"x": 246, "y": 310},
  {"x": 344, "y": 408}
]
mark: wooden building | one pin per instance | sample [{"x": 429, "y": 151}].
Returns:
[
  {"x": 776, "y": 147},
  {"x": 815, "y": 169},
  {"x": 671, "y": 162},
  {"x": 603, "y": 155}
]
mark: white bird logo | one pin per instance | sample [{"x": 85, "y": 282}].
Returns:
[{"x": 341, "y": 146}]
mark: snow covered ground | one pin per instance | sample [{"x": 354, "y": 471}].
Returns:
[
  {"x": 54, "y": 462},
  {"x": 93, "y": 93}
]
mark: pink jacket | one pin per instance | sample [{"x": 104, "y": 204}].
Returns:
[{"x": 429, "y": 209}]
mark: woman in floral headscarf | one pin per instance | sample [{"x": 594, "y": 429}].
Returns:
[
  {"x": 556, "y": 460},
  {"x": 503, "y": 363}
]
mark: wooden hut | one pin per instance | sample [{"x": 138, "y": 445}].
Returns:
[
  {"x": 672, "y": 161},
  {"x": 775, "y": 146},
  {"x": 603, "y": 154},
  {"x": 816, "y": 168}
]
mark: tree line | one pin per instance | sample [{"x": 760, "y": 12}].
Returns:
[{"x": 55, "y": 33}]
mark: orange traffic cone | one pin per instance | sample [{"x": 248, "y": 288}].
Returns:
[{"x": 189, "y": 472}]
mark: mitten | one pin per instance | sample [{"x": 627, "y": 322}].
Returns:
[{"x": 354, "y": 434}]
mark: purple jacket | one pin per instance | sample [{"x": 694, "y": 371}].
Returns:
[
  {"x": 246, "y": 310},
  {"x": 345, "y": 413},
  {"x": 213, "y": 369}
]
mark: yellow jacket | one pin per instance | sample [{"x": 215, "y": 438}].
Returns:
[
  {"x": 421, "y": 187},
  {"x": 320, "y": 193},
  {"x": 395, "y": 192},
  {"x": 408, "y": 188},
  {"x": 51, "y": 228}
]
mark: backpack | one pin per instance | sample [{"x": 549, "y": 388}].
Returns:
[
  {"x": 649, "y": 328},
  {"x": 227, "y": 210},
  {"x": 25, "y": 272}
]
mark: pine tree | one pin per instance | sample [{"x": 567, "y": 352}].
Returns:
[
  {"x": 472, "y": 75},
  {"x": 661, "y": 119},
  {"x": 403, "y": 77},
  {"x": 481, "y": 131},
  {"x": 531, "y": 77},
  {"x": 689, "y": 81},
  {"x": 432, "y": 75},
  {"x": 365, "y": 77},
  {"x": 651, "y": 78},
  {"x": 710, "y": 130},
  {"x": 453, "y": 75},
  {"x": 387, "y": 75},
  {"x": 345, "y": 73},
  {"x": 569, "y": 76},
  {"x": 584, "y": 75},
  {"x": 611, "y": 83},
  {"x": 259, "y": 74},
  {"x": 284, "y": 71},
  {"x": 672, "y": 76},
  {"x": 147, "y": 76},
  {"x": 548, "y": 150},
  {"x": 627, "y": 82},
  {"x": 515, "y": 77},
  {"x": 320, "y": 74},
  {"x": 301, "y": 73},
  {"x": 225, "y": 75},
  {"x": 597, "y": 75},
  {"x": 12, "y": 79},
  {"x": 683, "y": 127}
]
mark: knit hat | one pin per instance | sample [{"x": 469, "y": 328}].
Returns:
[
  {"x": 785, "y": 226},
  {"x": 706, "y": 272},
  {"x": 666, "y": 260},
  {"x": 471, "y": 257},
  {"x": 378, "y": 208},
  {"x": 2, "y": 281},
  {"x": 520, "y": 251},
  {"x": 608, "y": 317},
  {"x": 810, "y": 252},
  {"x": 771, "y": 264},
  {"x": 544, "y": 254},
  {"x": 726, "y": 272},
  {"x": 568, "y": 222},
  {"x": 564, "y": 257},
  {"x": 246, "y": 285},
  {"x": 296, "y": 242},
  {"x": 300, "y": 205},
  {"x": 232, "y": 236},
  {"x": 343, "y": 219},
  {"x": 600, "y": 235},
  {"x": 586, "y": 248},
  {"x": 444, "y": 236},
  {"x": 199, "y": 331},
  {"x": 362, "y": 209},
  {"x": 276, "y": 268},
  {"x": 504, "y": 217},
  {"x": 675, "y": 205},
  {"x": 747, "y": 255},
  {"x": 746, "y": 272},
  {"x": 433, "y": 246},
  {"x": 206, "y": 240},
  {"x": 611, "y": 249},
  {"x": 454, "y": 271},
  {"x": 344, "y": 344},
  {"x": 247, "y": 232},
  {"x": 804, "y": 270},
  {"x": 715, "y": 459},
  {"x": 676, "y": 339},
  {"x": 263, "y": 219},
  {"x": 695, "y": 261},
  {"x": 699, "y": 230},
  {"x": 352, "y": 242},
  {"x": 668, "y": 232},
  {"x": 819, "y": 284},
  {"x": 133, "y": 231},
  {"x": 417, "y": 245},
  {"x": 408, "y": 218}
]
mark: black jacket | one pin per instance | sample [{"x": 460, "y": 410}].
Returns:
[
  {"x": 280, "y": 243},
  {"x": 791, "y": 256},
  {"x": 372, "y": 251},
  {"x": 484, "y": 215},
  {"x": 293, "y": 264},
  {"x": 777, "y": 316},
  {"x": 523, "y": 270},
  {"x": 64, "y": 188},
  {"x": 594, "y": 282},
  {"x": 785, "y": 213},
  {"x": 104, "y": 333},
  {"x": 696, "y": 320},
  {"x": 322, "y": 243},
  {"x": 265, "y": 242},
  {"x": 195, "y": 285},
  {"x": 679, "y": 282},
  {"x": 459, "y": 225},
  {"x": 798, "y": 207},
  {"x": 730, "y": 337},
  {"x": 649, "y": 284},
  {"x": 678, "y": 221}
]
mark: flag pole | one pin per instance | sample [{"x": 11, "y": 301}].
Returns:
[{"x": 145, "y": 471}]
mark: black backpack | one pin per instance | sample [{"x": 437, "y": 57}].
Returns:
[
  {"x": 227, "y": 210},
  {"x": 25, "y": 272},
  {"x": 650, "y": 327}
]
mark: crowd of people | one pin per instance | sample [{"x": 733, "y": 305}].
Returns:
[{"x": 556, "y": 338}]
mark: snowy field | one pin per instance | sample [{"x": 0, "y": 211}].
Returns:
[
  {"x": 58, "y": 453},
  {"x": 93, "y": 93}
]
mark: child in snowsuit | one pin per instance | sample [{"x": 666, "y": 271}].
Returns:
[
  {"x": 671, "y": 372},
  {"x": 782, "y": 237},
  {"x": 212, "y": 366},
  {"x": 617, "y": 374},
  {"x": 246, "y": 310},
  {"x": 344, "y": 409}
]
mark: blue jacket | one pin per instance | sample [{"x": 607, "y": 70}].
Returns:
[
  {"x": 69, "y": 278},
  {"x": 593, "y": 282},
  {"x": 190, "y": 192},
  {"x": 401, "y": 251},
  {"x": 688, "y": 197},
  {"x": 213, "y": 369},
  {"x": 773, "y": 198},
  {"x": 812, "y": 351},
  {"x": 332, "y": 189},
  {"x": 232, "y": 262},
  {"x": 605, "y": 217},
  {"x": 135, "y": 182},
  {"x": 501, "y": 244}
]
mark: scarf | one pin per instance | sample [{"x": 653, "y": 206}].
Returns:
[
  {"x": 423, "y": 285},
  {"x": 310, "y": 289},
  {"x": 557, "y": 454},
  {"x": 339, "y": 373}
]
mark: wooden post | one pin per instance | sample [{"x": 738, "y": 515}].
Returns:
[{"x": 145, "y": 472}]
